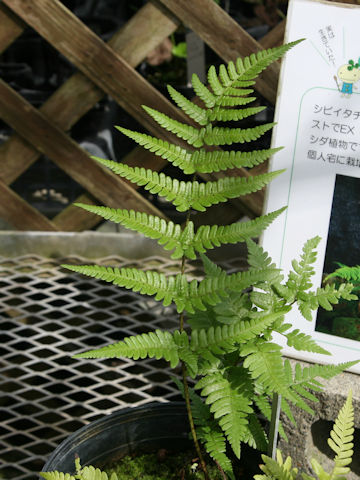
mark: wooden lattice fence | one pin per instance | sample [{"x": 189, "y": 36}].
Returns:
[{"x": 106, "y": 69}]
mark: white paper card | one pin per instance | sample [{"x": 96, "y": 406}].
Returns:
[{"x": 318, "y": 123}]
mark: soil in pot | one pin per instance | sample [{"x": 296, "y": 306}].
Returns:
[
  {"x": 162, "y": 465},
  {"x": 182, "y": 465}
]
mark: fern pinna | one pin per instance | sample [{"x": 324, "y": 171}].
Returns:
[{"x": 227, "y": 344}]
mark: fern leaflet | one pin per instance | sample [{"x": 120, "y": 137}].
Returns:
[
  {"x": 203, "y": 92},
  {"x": 324, "y": 297},
  {"x": 264, "y": 361},
  {"x": 190, "y": 108},
  {"x": 187, "y": 195},
  {"x": 56, "y": 476},
  {"x": 301, "y": 341},
  {"x": 167, "y": 233},
  {"x": 225, "y": 115},
  {"x": 158, "y": 344},
  {"x": 208, "y": 237},
  {"x": 220, "y": 338},
  {"x": 341, "y": 438},
  {"x": 186, "y": 295},
  {"x": 350, "y": 274},
  {"x": 277, "y": 469},
  {"x": 191, "y": 135},
  {"x": 229, "y": 400},
  {"x": 228, "y": 136},
  {"x": 299, "y": 279},
  {"x": 199, "y": 161},
  {"x": 250, "y": 67}
]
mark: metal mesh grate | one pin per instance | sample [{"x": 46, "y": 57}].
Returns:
[{"x": 48, "y": 314}]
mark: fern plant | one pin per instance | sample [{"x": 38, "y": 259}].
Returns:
[
  {"x": 226, "y": 321},
  {"x": 341, "y": 443}
]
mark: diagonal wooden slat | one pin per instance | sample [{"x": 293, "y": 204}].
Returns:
[
  {"x": 11, "y": 27},
  {"x": 97, "y": 60},
  {"x": 253, "y": 204},
  {"x": 143, "y": 32},
  {"x": 76, "y": 219},
  {"x": 165, "y": 105},
  {"x": 18, "y": 213},
  {"x": 275, "y": 37},
  {"x": 226, "y": 37},
  {"x": 54, "y": 143},
  {"x": 79, "y": 94}
]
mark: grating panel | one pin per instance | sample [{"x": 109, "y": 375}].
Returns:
[{"x": 48, "y": 314}]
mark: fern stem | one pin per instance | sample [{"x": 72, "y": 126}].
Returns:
[
  {"x": 184, "y": 377},
  {"x": 191, "y": 422}
]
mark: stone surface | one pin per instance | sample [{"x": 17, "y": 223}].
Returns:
[{"x": 308, "y": 439}]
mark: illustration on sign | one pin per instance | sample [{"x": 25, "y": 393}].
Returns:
[
  {"x": 348, "y": 74},
  {"x": 318, "y": 123}
]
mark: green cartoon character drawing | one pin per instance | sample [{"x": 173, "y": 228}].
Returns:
[{"x": 348, "y": 74}]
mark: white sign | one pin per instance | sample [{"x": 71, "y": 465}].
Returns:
[{"x": 318, "y": 123}]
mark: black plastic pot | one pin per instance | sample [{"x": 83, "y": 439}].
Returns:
[{"x": 106, "y": 440}]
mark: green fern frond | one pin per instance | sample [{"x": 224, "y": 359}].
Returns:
[
  {"x": 56, "y": 476},
  {"x": 190, "y": 108},
  {"x": 320, "y": 472},
  {"x": 257, "y": 257},
  {"x": 168, "y": 234},
  {"x": 233, "y": 309},
  {"x": 237, "y": 282},
  {"x": 232, "y": 115},
  {"x": 229, "y": 400},
  {"x": 277, "y": 469},
  {"x": 325, "y": 298},
  {"x": 168, "y": 151},
  {"x": 304, "y": 379},
  {"x": 301, "y": 341},
  {"x": 187, "y": 356},
  {"x": 187, "y": 195},
  {"x": 199, "y": 161},
  {"x": 215, "y": 445},
  {"x": 85, "y": 473},
  {"x": 228, "y": 136},
  {"x": 210, "y": 236},
  {"x": 228, "y": 101},
  {"x": 256, "y": 436},
  {"x": 285, "y": 408},
  {"x": 91, "y": 473},
  {"x": 323, "y": 371},
  {"x": 191, "y": 135},
  {"x": 222, "y": 84},
  {"x": 341, "y": 438},
  {"x": 202, "y": 161},
  {"x": 158, "y": 344},
  {"x": 203, "y": 92},
  {"x": 250, "y": 67},
  {"x": 222, "y": 338},
  {"x": 299, "y": 279},
  {"x": 210, "y": 267},
  {"x": 208, "y": 431},
  {"x": 264, "y": 361},
  {"x": 350, "y": 274},
  {"x": 186, "y": 295},
  {"x": 147, "y": 283}
]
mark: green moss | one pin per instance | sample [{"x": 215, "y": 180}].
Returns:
[{"x": 161, "y": 466}]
